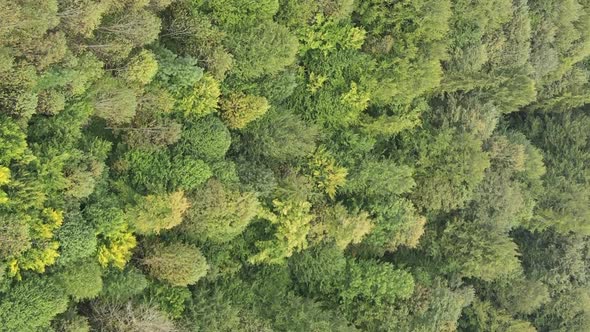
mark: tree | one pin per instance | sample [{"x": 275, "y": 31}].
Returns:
[
  {"x": 376, "y": 178},
  {"x": 140, "y": 69},
  {"x": 522, "y": 296},
  {"x": 265, "y": 48},
  {"x": 189, "y": 173},
  {"x": 242, "y": 12},
  {"x": 77, "y": 239},
  {"x": 319, "y": 271},
  {"x": 203, "y": 98},
  {"x": 121, "y": 31},
  {"x": 370, "y": 285},
  {"x": 483, "y": 316},
  {"x": 451, "y": 165},
  {"x": 326, "y": 173},
  {"x": 81, "y": 280},
  {"x": 219, "y": 214},
  {"x": 340, "y": 226},
  {"x": 31, "y": 305},
  {"x": 71, "y": 322},
  {"x": 397, "y": 223},
  {"x": 115, "y": 316},
  {"x": 153, "y": 214},
  {"x": 205, "y": 138},
  {"x": 292, "y": 221},
  {"x": 281, "y": 135},
  {"x": 237, "y": 110},
  {"x": 113, "y": 101},
  {"x": 15, "y": 236},
  {"x": 177, "y": 263},
  {"x": 12, "y": 141},
  {"x": 169, "y": 299},
  {"x": 81, "y": 17},
  {"x": 481, "y": 251},
  {"x": 120, "y": 285}
]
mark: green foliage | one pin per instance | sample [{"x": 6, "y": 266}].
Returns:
[
  {"x": 188, "y": 173},
  {"x": 203, "y": 98},
  {"x": 115, "y": 316},
  {"x": 15, "y": 236},
  {"x": 278, "y": 165},
  {"x": 282, "y": 136},
  {"x": 564, "y": 142},
  {"x": 77, "y": 239},
  {"x": 12, "y": 141},
  {"x": 450, "y": 167},
  {"x": 377, "y": 282},
  {"x": 482, "y": 316},
  {"x": 242, "y": 12},
  {"x": 380, "y": 178},
  {"x": 178, "y": 264},
  {"x": 343, "y": 228},
  {"x": 169, "y": 299},
  {"x": 82, "y": 280},
  {"x": 292, "y": 222},
  {"x": 326, "y": 174},
  {"x": 265, "y": 48},
  {"x": 71, "y": 323},
  {"x": 397, "y": 223},
  {"x": 205, "y": 138},
  {"x": 113, "y": 101},
  {"x": 153, "y": 214},
  {"x": 327, "y": 35},
  {"x": 141, "y": 68},
  {"x": 237, "y": 110},
  {"x": 479, "y": 252},
  {"x": 30, "y": 305},
  {"x": 319, "y": 271},
  {"x": 219, "y": 214},
  {"x": 121, "y": 285},
  {"x": 123, "y": 30}
]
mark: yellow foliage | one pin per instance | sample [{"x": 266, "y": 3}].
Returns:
[
  {"x": 357, "y": 99},
  {"x": 35, "y": 259},
  {"x": 411, "y": 234},
  {"x": 4, "y": 179},
  {"x": 44, "y": 228},
  {"x": 337, "y": 224},
  {"x": 117, "y": 251},
  {"x": 327, "y": 175},
  {"x": 4, "y": 175},
  {"x": 157, "y": 212},
  {"x": 316, "y": 82},
  {"x": 13, "y": 269},
  {"x": 292, "y": 219}
]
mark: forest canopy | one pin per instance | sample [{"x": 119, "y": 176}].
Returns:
[{"x": 294, "y": 165}]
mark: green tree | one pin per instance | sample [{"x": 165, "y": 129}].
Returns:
[
  {"x": 265, "y": 48},
  {"x": 292, "y": 222},
  {"x": 475, "y": 250},
  {"x": 140, "y": 69},
  {"x": 450, "y": 166},
  {"x": 81, "y": 280},
  {"x": 205, "y": 138},
  {"x": 113, "y": 101},
  {"x": 219, "y": 214},
  {"x": 154, "y": 213},
  {"x": 178, "y": 264},
  {"x": 32, "y": 304},
  {"x": 237, "y": 110}
]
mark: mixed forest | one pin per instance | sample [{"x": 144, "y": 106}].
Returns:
[{"x": 294, "y": 165}]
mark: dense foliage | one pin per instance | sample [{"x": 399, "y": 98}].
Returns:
[{"x": 294, "y": 165}]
